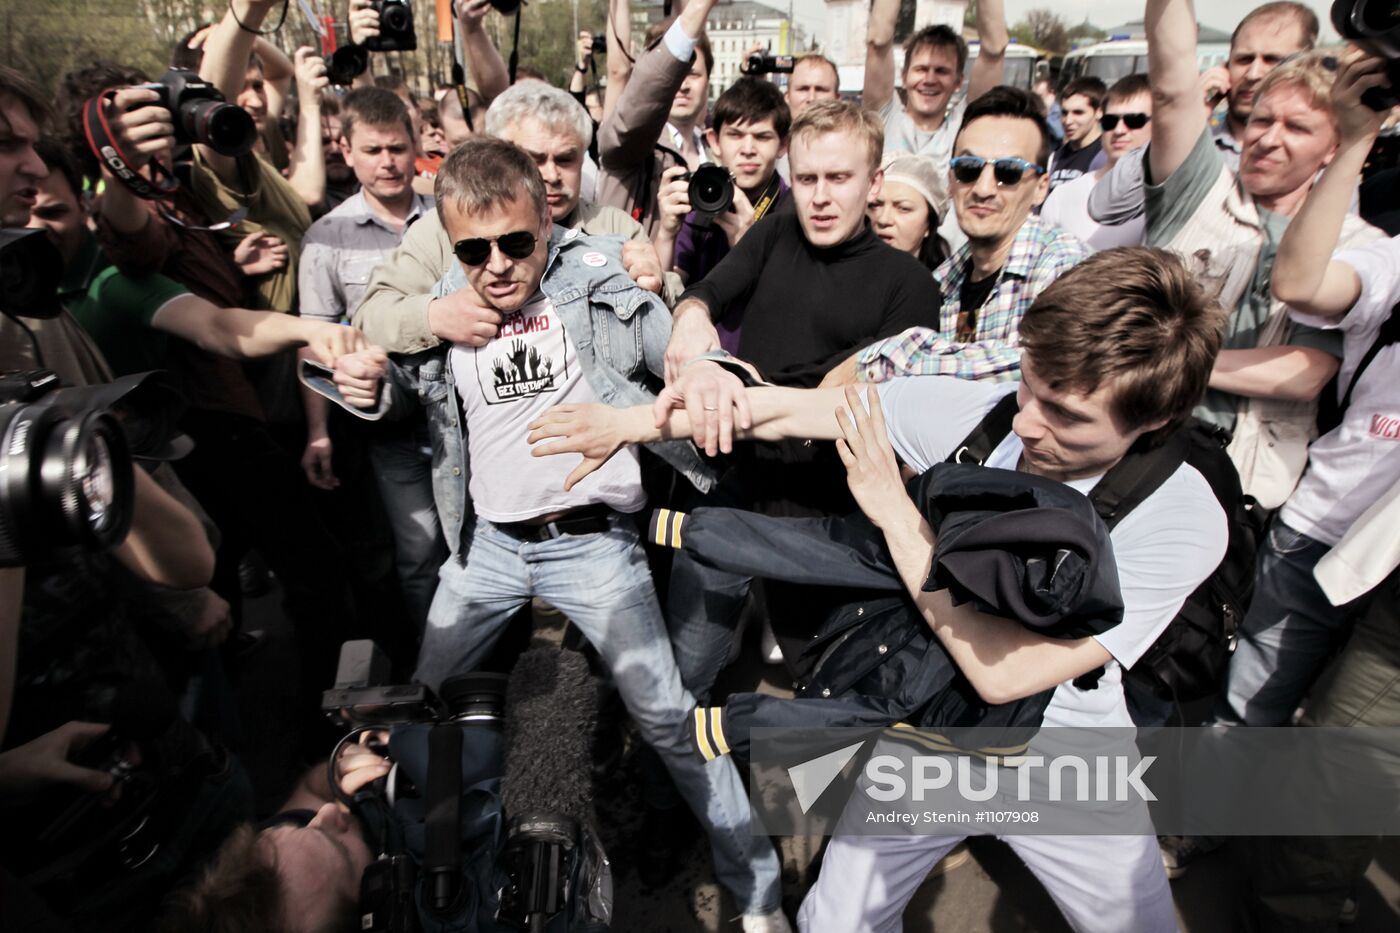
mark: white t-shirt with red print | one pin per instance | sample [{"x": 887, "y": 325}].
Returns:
[{"x": 1353, "y": 465}]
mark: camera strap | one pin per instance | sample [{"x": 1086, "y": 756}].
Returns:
[
  {"x": 103, "y": 143},
  {"x": 767, "y": 200}
]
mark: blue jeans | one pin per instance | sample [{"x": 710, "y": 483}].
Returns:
[
  {"x": 1287, "y": 635},
  {"x": 601, "y": 582},
  {"x": 403, "y": 468}
]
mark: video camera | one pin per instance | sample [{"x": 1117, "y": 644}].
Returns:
[
  {"x": 395, "y": 27},
  {"x": 711, "y": 189},
  {"x": 477, "y": 826},
  {"x": 761, "y": 64},
  {"x": 1375, "y": 25}
]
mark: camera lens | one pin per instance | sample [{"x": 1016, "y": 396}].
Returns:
[
  {"x": 394, "y": 18},
  {"x": 65, "y": 481},
  {"x": 1377, "y": 17},
  {"x": 505, "y": 7},
  {"x": 475, "y": 698},
  {"x": 711, "y": 189},
  {"x": 225, "y": 128}
]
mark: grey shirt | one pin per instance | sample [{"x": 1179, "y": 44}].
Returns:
[
  {"x": 1118, "y": 197},
  {"x": 341, "y": 251},
  {"x": 901, "y": 135}
]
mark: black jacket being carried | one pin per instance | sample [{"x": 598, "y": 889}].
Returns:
[{"x": 1016, "y": 545}]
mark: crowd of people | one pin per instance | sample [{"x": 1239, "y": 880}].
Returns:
[{"x": 441, "y": 352}]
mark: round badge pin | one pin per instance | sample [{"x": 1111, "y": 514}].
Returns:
[{"x": 594, "y": 259}]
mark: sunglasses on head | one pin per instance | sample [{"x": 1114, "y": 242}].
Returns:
[
  {"x": 967, "y": 169},
  {"x": 1134, "y": 121},
  {"x": 517, "y": 245}
]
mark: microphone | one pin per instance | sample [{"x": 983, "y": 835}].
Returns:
[{"x": 546, "y": 792}]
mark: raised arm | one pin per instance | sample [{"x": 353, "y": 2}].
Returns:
[
  {"x": 484, "y": 62},
  {"x": 1178, "y": 113},
  {"x": 1303, "y": 276},
  {"x": 619, "y": 53},
  {"x": 879, "y": 55},
  {"x": 278, "y": 74},
  {"x": 993, "y": 38},
  {"x": 628, "y": 134},
  {"x": 308, "y": 163},
  {"x": 225, "y": 66}
]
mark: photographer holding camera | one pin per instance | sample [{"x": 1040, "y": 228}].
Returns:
[{"x": 702, "y": 219}]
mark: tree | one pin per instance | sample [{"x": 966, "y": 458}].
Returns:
[{"x": 1044, "y": 30}]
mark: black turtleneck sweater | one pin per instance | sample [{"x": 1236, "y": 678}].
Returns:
[{"x": 809, "y": 308}]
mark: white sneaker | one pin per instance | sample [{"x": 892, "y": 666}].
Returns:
[{"x": 776, "y": 922}]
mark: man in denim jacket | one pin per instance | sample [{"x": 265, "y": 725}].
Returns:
[{"x": 575, "y": 329}]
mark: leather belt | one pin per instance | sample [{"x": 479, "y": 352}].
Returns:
[{"x": 588, "y": 520}]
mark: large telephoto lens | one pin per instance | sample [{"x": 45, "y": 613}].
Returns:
[
  {"x": 225, "y": 128},
  {"x": 66, "y": 482}
]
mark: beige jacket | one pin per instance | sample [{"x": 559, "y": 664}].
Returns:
[
  {"x": 1367, "y": 553},
  {"x": 394, "y": 312}
]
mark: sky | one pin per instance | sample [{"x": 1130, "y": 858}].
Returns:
[{"x": 1222, "y": 14}]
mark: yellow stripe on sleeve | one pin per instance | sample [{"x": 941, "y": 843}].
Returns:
[{"x": 700, "y": 738}]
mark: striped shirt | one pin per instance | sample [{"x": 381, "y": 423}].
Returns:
[
  {"x": 1040, "y": 254},
  {"x": 340, "y": 252}
]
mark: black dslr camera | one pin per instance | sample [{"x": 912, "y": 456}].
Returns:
[
  {"x": 200, "y": 114},
  {"x": 1374, "y": 25},
  {"x": 711, "y": 189},
  {"x": 760, "y": 64},
  {"x": 600, "y": 45},
  {"x": 395, "y": 27}
]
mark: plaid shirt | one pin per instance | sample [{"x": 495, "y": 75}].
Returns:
[{"x": 1040, "y": 254}]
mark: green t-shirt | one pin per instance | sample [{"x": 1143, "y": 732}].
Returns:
[
  {"x": 116, "y": 309},
  {"x": 1170, "y": 206},
  {"x": 273, "y": 205}
]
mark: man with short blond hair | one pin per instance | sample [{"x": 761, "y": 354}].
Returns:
[{"x": 819, "y": 286}]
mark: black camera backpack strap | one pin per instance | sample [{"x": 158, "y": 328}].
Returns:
[
  {"x": 103, "y": 143},
  {"x": 1387, "y": 335},
  {"x": 990, "y": 431},
  {"x": 442, "y": 837}
]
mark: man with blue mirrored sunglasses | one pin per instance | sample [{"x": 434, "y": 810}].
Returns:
[{"x": 997, "y": 178}]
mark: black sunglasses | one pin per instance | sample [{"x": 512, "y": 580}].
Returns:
[
  {"x": 517, "y": 245},
  {"x": 968, "y": 168},
  {"x": 1135, "y": 121}
]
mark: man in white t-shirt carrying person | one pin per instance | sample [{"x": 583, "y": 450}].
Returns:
[
  {"x": 926, "y": 118},
  {"x": 1292, "y": 628},
  {"x": 1126, "y": 123},
  {"x": 574, "y": 329},
  {"x": 1116, "y": 353}
]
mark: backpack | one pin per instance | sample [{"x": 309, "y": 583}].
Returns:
[{"x": 1188, "y": 660}]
